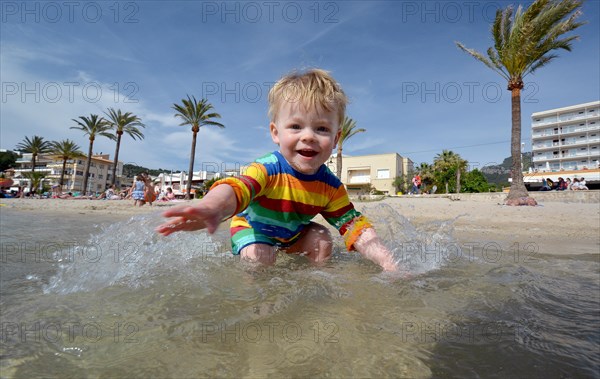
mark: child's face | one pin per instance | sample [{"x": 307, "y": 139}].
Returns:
[{"x": 305, "y": 137}]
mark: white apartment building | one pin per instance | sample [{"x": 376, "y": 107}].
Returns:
[
  {"x": 566, "y": 139},
  {"x": 99, "y": 175}
]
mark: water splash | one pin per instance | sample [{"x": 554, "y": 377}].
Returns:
[
  {"x": 418, "y": 249},
  {"x": 131, "y": 253}
]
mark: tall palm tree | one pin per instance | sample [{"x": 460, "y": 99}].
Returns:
[
  {"x": 349, "y": 129},
  {"x": 91, "y": 126},
  {"x": 522, "y": 44},
  {"x": 123, "y": 123},
  {"x": 195, "y": 113},
  {"x": 65, "y": 150},
  {"x": 36, "y": 146}
]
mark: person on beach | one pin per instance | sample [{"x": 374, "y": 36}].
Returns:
[
  {"x": 169, "y": 195},
  {"x": 149, "y": 194},
  {"x": 138, "y": 191},
  {"x": 274, "y": 201},
  {"x": 416, "y": 181}
]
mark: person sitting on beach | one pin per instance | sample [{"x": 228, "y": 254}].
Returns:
[
  {"x": 276, "y": 198},
  {"x": 111, "y": 194},
  {"x": 169, "y": 195},
  {"x": 138, "y": 191},
  {"x": 562, "y": 184},
  {"x": 546, "y": 185},
  {"x": 575, "y": 185},
  {"x": 582, "y": 184}
]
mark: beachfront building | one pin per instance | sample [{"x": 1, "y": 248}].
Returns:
[
  {"x": 177, "y": 181},
  {"x": 100, "y": 173},
  {"x": 566, "y": 139},
  {"x": 362, "y": 173}
]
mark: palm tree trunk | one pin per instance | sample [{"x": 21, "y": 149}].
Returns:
[
  {"x": 458, "y": 180},
  {"x": 517, "y": 187},
  {"x": 33, "y": 156},
  {"x": 338, "y": 162},
  {"x": 87, "y": 167},
  {"x": 62, "y": 173},
  {"x": 114, "y": 170},
  {"x": 191, "y": 168}
]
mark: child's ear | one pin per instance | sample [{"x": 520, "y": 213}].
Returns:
[
  {"x": 337, "y": 136},
  {"x": 274, "y": 133}
]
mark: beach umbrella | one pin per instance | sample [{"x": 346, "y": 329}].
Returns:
[{"x": 181, "y": 181}]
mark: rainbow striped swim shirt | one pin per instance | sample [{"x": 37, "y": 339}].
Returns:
[{"x": 275, "y": 203}]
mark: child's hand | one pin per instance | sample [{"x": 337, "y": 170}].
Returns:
[
  {"x": 190, "y": 218},
  {"x": 370, "y": 246},
  {"x": 217, "y": 205}
]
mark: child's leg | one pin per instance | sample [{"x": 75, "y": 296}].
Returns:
[
  {"x": 260, "y": 253},
  {"x": 316, "y": 244}
]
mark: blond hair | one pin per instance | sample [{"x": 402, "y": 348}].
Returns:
[{"x": 315, "y": 88}]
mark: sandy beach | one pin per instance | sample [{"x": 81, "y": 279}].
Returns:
[{"x": 556, "y": 226}]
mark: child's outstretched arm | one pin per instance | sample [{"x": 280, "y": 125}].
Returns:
[
  {"x": 371, "y": 247},
  {"x": 218, "y": 204}
]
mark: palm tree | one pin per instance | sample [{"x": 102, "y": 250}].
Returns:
[
  {"x": 348, "y": 128},
  {"x": 92, "y": 126},
  {"x": 449, "y": 164},
  {"x": 123, "y": 123},
  {"x": 196, "y": 114},
  {"x": 65, "y": 150},
  {"x": 36, "y": 179},
  {"x": 522, "y": 44},
  {"x": 36, "y": 146},
  {"x": 425, "y": 170}
]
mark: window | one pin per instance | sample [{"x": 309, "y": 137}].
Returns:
[
  {"x": 79, "y": 173},
  {"x": 383, "y": 173}
]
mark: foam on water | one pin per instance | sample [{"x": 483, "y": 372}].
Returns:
[{"x": 130, "y": 253}]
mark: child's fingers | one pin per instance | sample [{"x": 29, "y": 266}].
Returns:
[
  {"x": 175, "y": 212},
  {"x": 179, "y": 224}
]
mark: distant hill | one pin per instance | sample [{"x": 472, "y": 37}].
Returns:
[
  {"x": 499, "y": 174},
  {"x": 131, "y": 171}
]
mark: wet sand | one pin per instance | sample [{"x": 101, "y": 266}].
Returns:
[{"x": 554, "y": 227}]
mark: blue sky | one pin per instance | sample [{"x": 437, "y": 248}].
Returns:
[{"x": 413, "y": 90}]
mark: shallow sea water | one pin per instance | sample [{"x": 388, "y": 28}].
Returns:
[{"x": 98, "y": 298}]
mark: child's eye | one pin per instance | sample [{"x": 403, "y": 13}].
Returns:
[
  {"x": 295, "y": 126},
  {"x": 323, "y": 129}
]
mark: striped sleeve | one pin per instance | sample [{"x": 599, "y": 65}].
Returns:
[
  {"x": 348, "y": 221},
  {"x": 247, "y": 186}
]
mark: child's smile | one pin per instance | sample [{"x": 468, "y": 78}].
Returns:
[{"x": 305, "y": 137}]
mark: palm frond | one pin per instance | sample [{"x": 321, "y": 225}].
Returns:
[{"x": 480, "y": 57}]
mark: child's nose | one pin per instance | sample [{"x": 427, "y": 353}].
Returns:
[{"x": 308, "y": 135}]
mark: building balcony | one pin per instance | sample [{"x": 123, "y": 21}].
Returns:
[
  {"x": 565, "y": 157},
  {"x": 562, "y": 122},
  {"x": 359, "y": 180},
  {"x": 570, "y": 144}
]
